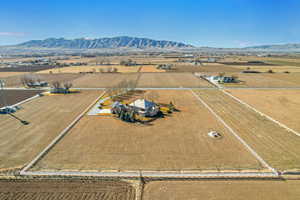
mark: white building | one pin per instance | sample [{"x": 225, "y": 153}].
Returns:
[{"x": 145, "y": 108}]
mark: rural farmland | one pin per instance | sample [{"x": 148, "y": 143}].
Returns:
[
  {"x": 222, "y": 189},
  {"x": 275, "y": 144},
  {"x": 282, "y": 105},
  {"x": 166, "y": 126},
  {"x": 181, "y": 142},
  {"x": 47, "y": 115},
  {"x": 172, "y": 80},
  {"x": 15, "y": 96},
  {"x": 66, "y": 189}
]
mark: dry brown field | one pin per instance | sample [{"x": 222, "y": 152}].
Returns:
[
  {"x": 293, "y": 78},
  {"x": 92, "y": 68},
  {"x": 274, "y": 144},
  {"x": 277, "y": 69},
  {"x": 15, "y": 81},
  {"x": 266, "y": 80},
  {"x": 8, "y": 74},
  {"x": 47, "y": 116},
  {"x": 205, "y": 67},
  {"x": 283, "y": 61},
  {"x": 153, "y": 60},
  {"x": 10, "y": 60},
  {"x": 65, "y": 190},
  {"x": 117, "y": 59},
  {"x": 150, "y": 68},
  {"x": 282, "y": 105},
  {"x": 77, "y": 59},
  {"x": 179, "y": 141},
  {"x": 223, "y": 190},
  {"x": 164, "y": 80},
  {"x": 101, "y": 80}
]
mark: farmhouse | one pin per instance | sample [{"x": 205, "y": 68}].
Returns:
[
  {"x": 222, "y": 79},
  {"x": 37, "y": 84},
  {"x": 145, "y": 108},
  {"x": 165, "y": 66}
]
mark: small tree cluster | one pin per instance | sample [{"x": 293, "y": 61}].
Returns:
[
  {"x": 128, "y": 62},
  {"x": 56, "y": 84},
  {"x": 67, "y": 86},
  {"x": 152, "y": 96},
  {"x": 61, "y": 87},
  {"x": 102, "y": 61},
  {"x": 30, "y": 79},
  {"x": 125, "y": 114},
  {"x": 108, "y": 70},
  {"x": 221, "y": 74},
  {"x": 124, "y": 87}
]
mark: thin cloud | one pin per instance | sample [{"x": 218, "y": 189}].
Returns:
[{"x": 12, "y": 34}]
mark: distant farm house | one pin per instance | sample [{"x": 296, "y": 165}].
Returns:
[
  {"x": 165, "y": 66},
  {"x": 222, "y": 79},
  {"x": 37, "y": 84}
]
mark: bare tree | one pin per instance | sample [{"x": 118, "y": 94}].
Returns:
[
  {"x": 56, "y": 84},
  {"x": 153, "y": 95},
  {"x": 114, "y": 70},
  {"x": 221, "y": 74},
  {"x": 109, "y": 92},
  {"x": 28, "y": 79},
  {"x": 128, "y": 62},
  {"x": 131, "y": 84},
  {"x": 67, "y": 86},
  {"x": 235, "y": 78}
]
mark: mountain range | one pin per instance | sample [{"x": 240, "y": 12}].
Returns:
[
  {"x": 282, "y": 47},
  {"x": 114, "y": 42}
]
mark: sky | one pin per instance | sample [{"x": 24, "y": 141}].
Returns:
[{"x": 214, "y": 23}]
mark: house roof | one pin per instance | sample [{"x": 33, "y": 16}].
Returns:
[{"x": 142, "y": 103}]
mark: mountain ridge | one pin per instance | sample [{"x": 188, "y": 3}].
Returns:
[
  {"x": 107, "y": 42},
  {"x": 276, "y": 46}
]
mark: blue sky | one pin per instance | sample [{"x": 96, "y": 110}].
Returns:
[{"x": 216, "y": 23}]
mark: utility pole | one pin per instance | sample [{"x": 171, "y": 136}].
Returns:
[{"x": 2, "y": 94}]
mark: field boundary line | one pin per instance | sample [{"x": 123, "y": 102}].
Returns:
[
  {"x": 252, "y": 151},
  {"x": 261, "y": 113},
  {"x": 58, "y": 138},
  {"x": 173, "y": 88},
  {"x": 139, "y": 174}
]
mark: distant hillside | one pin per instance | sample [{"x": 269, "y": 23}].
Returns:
[
  {"x": 115, "y": 42},
  {"x": 285, "y": 47}
]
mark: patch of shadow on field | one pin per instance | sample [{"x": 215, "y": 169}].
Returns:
[
  {"x": 15, "y": 96},
  {"x": 131, "y": 95}
]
